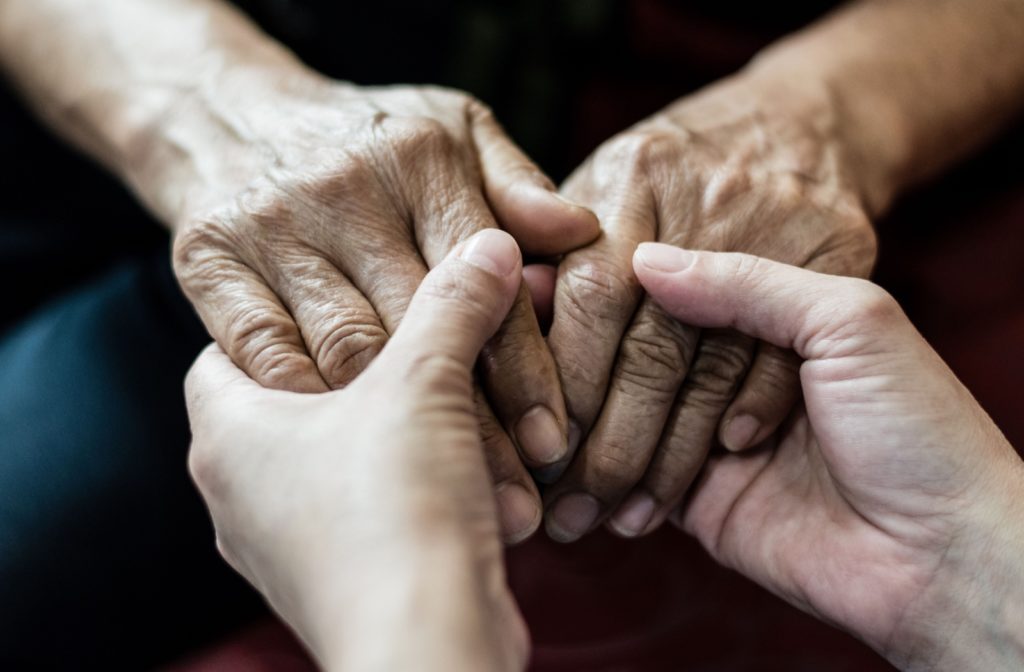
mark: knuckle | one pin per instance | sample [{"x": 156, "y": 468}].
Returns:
[
  {"x": 653, "y": 358},
  {"x": 780, "y": 372},
  {"x": 440, "y": 377},
  {"x": 717, "y": 371},
  {"x": 348, "y": 348},
  {"x": 644, "y": 150},
  {"x": 870, "y": 303},
  {"x": 205, "y": 467},
  {"x": 265, "y": 344},
  {"x": 598, "y": 293},
  {"x": 417, "y": 136},
  {"x": 197, "y": 244}
]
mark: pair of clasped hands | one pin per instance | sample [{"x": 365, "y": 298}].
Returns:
[
  {"x": 368, "y": 431},
  {"x": 888, "y": 503}
]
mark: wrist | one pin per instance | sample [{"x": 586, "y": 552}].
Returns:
[
  {"x": 211, "y": 138},
  {"x": 792, "y": 125},
  {"x": 865, "y": 132},
  {"x": 431, "y": 607},
  {"x": 972, "y": 615},
  {"x": 873, "y": 139}
]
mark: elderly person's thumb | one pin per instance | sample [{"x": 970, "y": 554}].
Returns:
[
  {"x": 458, "y": 307},
  {"x": 523, "y": 199}
]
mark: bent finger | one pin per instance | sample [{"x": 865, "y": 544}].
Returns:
[
  {"x": 525, "y": 201},
  {"x": 765, "y": 399},
  {"x": 251, "y": 325}
]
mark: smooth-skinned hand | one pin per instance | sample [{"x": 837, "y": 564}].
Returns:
[
  {"x": 747, "y": 166},
  {"x": 365, "y": 515},
  {"x": 888, "y": 503},
  {"x": 306, "y": 222}
]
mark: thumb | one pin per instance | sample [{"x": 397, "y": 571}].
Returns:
[
  {"x": 459, "y": 305},
  {"x": 214, "y": 385},
  {"x": 813, "y": 313},
  {"x": 523, "y": 199}
]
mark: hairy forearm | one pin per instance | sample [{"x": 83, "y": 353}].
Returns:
[
  {"x": 917, "y": 83},
  {"x": 105, "y": 74}
]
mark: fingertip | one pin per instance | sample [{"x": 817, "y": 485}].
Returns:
[
  {"x": 739, "y": 432},
  {"x": 493, "y": 251},
  {"x": 661, "y": 259},
  {"x": 545, "y": 223}
]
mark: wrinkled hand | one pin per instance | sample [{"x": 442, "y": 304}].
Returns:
[
  {"x": 889, "y": 503},
  {"x": 741, "y": 166},
  {"x": 365, "y": 515},
  {"x": 308, "y": 218}
]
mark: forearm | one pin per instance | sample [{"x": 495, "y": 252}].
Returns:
[
  {"x": 917, "y": 83},
  {"x": 106, "y": 74},
  {"x": 443, "y": 611}
]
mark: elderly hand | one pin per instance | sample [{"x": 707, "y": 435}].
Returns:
[
  {"x": 889, "y": 503},
  {"x": 307, "y": 213},
  {"x": 365, "y": 515},
  {"x": 747, "y": 165}
]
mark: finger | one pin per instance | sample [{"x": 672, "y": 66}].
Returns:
[
  {"x": 787, "y": 306},
  {"x": 249, "y": 322},
  {"x": 718, "y": 366},
  {"x": 517, "y": 369},
  {"x": 595, "y": 298},
  {"x": 524, "y": 200},
  {"x": 651, "y": 365},
  {"x": 461, "y": 303},
  {"x": 213, "y": 380},
  {"x": 340, "y": 328},
  {"x": 765, "y": 399},
  {"x": 457, "y": 307},
  {"x": 540, "y": 279},
  {"x": 518, "y": 502}
]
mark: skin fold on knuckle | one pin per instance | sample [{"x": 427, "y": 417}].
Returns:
[
  {"x": 721, "y": 361},
  {"x": 654, "y": 356},
  {"x": 266, "y": 345},
  {"x": 593, "y": 293},
  {"x": 346, "y": 349}
]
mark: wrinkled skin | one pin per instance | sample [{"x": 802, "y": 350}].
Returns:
[
  {"x": 302, "y": 238},
  {"x": 385, "y": 530},
  {"x": 736, "y": 167}
]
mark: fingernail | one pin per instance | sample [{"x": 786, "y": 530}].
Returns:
[
  {"x": 664, "y": 258},
  {"x": 633, "y": 516},
  {"x": 492, "y": 250},
  {"x": 517, "y": 511},
  {"x": 539, "y": 435},
  {"x": 739, "y": 432},
  {"x": 572, "y": 517}
]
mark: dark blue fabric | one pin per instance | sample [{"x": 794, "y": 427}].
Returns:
[{"x": 106, "y": 555}]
